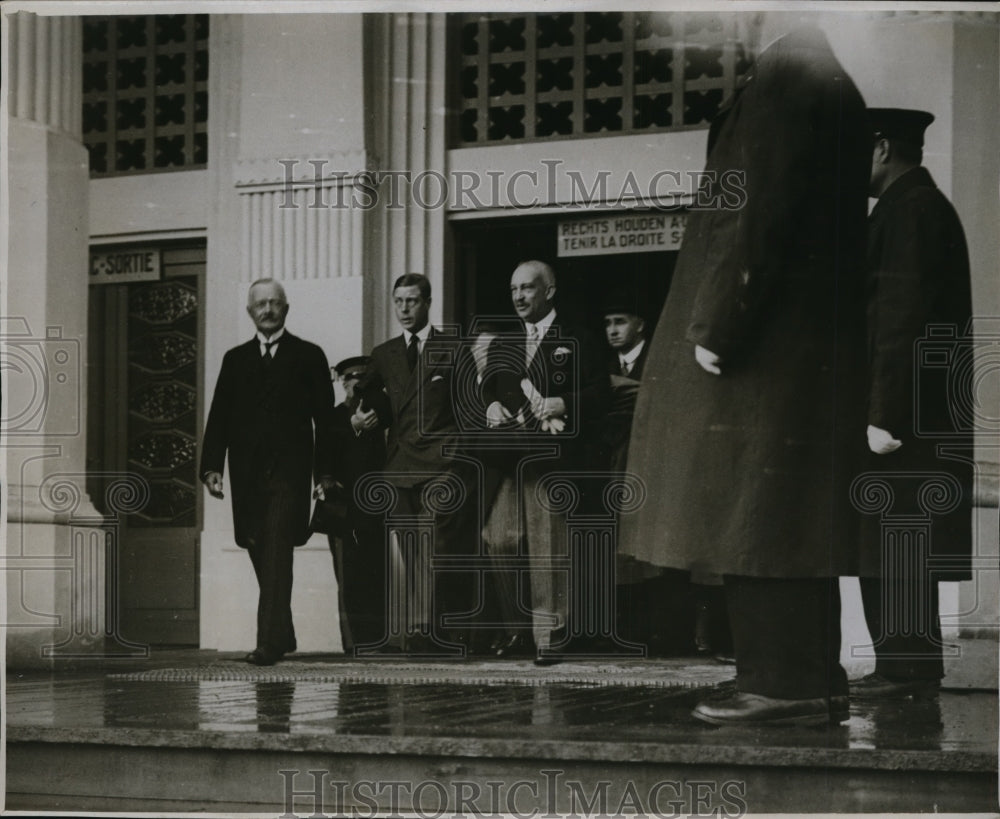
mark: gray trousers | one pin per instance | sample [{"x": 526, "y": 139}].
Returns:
[{"x": 516, "y": 515}]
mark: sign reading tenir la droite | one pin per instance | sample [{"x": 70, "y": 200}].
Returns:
[
  {"x": 631, "y": 233},
  {"x": 137, "y": 264}
]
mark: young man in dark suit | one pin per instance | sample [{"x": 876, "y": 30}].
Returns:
[
  {"x": 542, "y": 387},
  {"x": 271, "y": 414},
  {"x": 409, "y": 390}
]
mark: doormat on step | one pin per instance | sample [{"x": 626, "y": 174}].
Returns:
[{"x": 683, "y": 673}]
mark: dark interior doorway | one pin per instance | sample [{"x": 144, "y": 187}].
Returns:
[{"x": 488, "y": 250}]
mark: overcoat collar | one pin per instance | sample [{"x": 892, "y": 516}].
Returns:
[{"x": 918, "y": 177}]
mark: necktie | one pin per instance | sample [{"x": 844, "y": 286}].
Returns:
[
  {"x": 626, "y": 367},
  {"x": 268, "y": 356},
  {"x": 531, "y": 344},
  {"x": 412, "y": 352}
]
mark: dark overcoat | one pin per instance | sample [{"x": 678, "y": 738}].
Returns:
[
  {"x": 919, "y": 314},
  {"x": 748, "y": 473},
  {"x": 274, "y": 421}
]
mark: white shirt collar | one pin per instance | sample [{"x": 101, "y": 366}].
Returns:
[
  {"x": 421, "y": 334},
  {"x": 542, "y": 326},
  {"x": 633, "y": 354},
  {"x": 262, "y": 339}
]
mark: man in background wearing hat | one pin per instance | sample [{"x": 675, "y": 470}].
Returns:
[
  {"x": 919, "y": 277},
  {"x": 356, "y": 536}
]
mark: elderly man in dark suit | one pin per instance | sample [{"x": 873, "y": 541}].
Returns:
[
  {"x": 409, "y": 390},
  {"x": 919, "y": 289},
  {"x": 271, "y": 415},
  {"x": 749, "y": 425},
  {"x": 542, "y": 386}
]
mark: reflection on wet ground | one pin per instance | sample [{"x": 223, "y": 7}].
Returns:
[{"x": 957, "y": 721}]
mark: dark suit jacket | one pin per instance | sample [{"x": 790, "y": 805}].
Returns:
[
  {"x": 416, "y": 407},
  {"x": 614, "y": 366},
  {"x": 613, "y": 435},
  {"x": 567, "y": 365},
  {"x": 263, "y": 417}
]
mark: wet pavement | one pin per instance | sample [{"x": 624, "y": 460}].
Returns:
[{"x": 957, "y": 722}]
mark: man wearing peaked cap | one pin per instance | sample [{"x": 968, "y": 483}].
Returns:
[
  {"x": 918, "y": 266},
  {"x": 901, "y": 124},
  {"x": 355, "y": 536}
]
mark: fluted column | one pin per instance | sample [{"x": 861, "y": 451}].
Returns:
[
  {"x": 45, "y": 71},
  {"x": 405, "y": 60},
  {"x": 54, "y": 558}
]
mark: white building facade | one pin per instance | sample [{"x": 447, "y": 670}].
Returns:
[{"x": 158, "y": 165}]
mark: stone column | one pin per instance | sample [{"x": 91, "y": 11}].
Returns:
[
  {"x": 405, "y": 141},
  {"x": 54, "y": 559}
]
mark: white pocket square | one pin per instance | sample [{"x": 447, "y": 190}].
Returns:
[
  {"x": 562, "y": 351},
  {"x": 437, "y": 378}
]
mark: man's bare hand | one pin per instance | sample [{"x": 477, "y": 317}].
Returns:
[
  {"x": 213, "y": 482},
  {"x": 549, "y": 408},
  {"x": 363, "y": 421},
  {"x": 324, "y": 485}
]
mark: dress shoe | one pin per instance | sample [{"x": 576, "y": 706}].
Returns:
[
  {"x": 261, "y": 656},
  {"x": 515, "y": 645},
  {"x": 743, "y": 708},
  {"x": 557, "y": 649},
  {"x": 877, "y": 687}
]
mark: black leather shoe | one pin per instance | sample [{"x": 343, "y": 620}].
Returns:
[
  {"x": 556, "y": 651},
  {"x": 261, "y": 656},
  {"x": 516, "y": 645},
  {"x": 549, "y": 657},
  {"x": 743, "y": 708},
  {"x": 877, "y": 687}
]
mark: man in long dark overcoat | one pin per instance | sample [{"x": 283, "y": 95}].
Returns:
[
  {"x": 271, "y": 414},
  {"x": 750, "y": 421},
  {"x": 920, "y": 433}
]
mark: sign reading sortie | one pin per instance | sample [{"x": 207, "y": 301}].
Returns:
[
  {"x": 632, "y": 233},
  {"x": 139, "y": 264}
]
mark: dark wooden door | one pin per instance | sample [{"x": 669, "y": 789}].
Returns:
[{"x": 145, "y": 378}]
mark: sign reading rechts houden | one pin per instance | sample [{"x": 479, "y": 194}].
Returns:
[
  {"x": 622, "y": 233},
  {"x": 139, "y": 264}
]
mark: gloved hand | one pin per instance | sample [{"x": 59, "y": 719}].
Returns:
[{"x": 881, "y": 442}]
